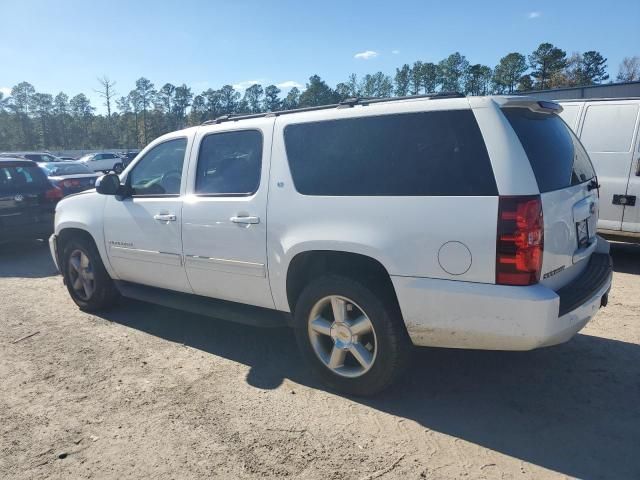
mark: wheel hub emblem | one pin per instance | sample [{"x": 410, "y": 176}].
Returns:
[
  {"x": 18, "y": 198},
  {"x": 341, "y": 335}
]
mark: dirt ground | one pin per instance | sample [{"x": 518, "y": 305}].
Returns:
[{"x": 145, "y": 391}]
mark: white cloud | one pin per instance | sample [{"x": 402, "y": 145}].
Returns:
[
  {"x": 6, "y": 91},
  {"x": 395, "y": 52},
  {"x": 366, "y": 55},
  {"x": 289, "y": 84},
  {"x": 246, "y": 84},
  {"x": 533, "y": 15}
]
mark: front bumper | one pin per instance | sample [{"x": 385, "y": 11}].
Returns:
[
  {"x": 444, "y": 313},
  {"x": 53, "y": 247}
]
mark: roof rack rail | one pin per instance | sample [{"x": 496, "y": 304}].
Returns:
[{"x": 346, "y": 103}]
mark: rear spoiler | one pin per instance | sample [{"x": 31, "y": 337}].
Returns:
[{"x": 532, "y": 103}]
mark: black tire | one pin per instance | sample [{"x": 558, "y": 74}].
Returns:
[
  {"x": 104, "y": 294},
  {"x": 393, "y": 346},
  {"x": 118, "y": 168}
]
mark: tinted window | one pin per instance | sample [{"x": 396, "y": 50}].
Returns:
[
  {"x": 159, "y": 172},
  {"x": 22, "y": 179},
  {"x": 229, "y": 163},
  {"x": 557, "y": 158},
  {"x": 609, "y": 128},
  {"x": 426, "y": 153}
]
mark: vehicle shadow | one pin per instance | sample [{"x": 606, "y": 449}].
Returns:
[
  {"x": 28, "y": 259},
  {"x": 626, "y": 257},
  {"x": 571, "y": 408}
]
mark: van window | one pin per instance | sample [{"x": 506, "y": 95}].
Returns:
[
  {"x": 609, "y": 128},
  {"x": 557, "y": 158},
  {"x": 426, "y": 153},
  {"x": 229, "y": 163}
]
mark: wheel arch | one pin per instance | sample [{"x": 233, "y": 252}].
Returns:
[{"x": 310, "y": 264}]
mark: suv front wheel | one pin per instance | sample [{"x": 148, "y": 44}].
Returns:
[
  {"x": 88, "y": 282},
  {"x": 353, "y": 339}
]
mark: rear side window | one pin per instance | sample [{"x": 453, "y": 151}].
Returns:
[
  {"x": 229, "y": 163},
  {"x": 557, "y": 158},
  {"x": 428, "y": 153},
  {"x": 22, "y": 179}
]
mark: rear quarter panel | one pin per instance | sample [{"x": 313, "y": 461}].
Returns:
[{"x": 405, "y": 234}]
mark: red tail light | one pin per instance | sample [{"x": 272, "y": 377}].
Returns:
[
  {"x": 520, "y": 240},
  {"x": 54, "y": 194}
]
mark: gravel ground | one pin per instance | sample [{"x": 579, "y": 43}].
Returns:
[{"x": 144, "y": 391}]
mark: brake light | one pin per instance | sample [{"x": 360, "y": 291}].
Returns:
[
  {"x": 54, "y": 194},
  {"x": 520, "y": 240}
]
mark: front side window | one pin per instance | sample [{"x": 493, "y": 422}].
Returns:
[
  {"x": 159, "y": 172},
  {"x": 229, "y": 163},
  {"x": 427, "y": 153}
]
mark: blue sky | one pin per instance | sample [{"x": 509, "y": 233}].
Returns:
[{"x": 66, "y": 44}]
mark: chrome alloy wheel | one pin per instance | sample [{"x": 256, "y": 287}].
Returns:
[
  {"x": 342, "y": 336},
  {"x": 81, "y": 275}
]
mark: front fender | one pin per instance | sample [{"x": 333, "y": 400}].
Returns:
[{"x": 84, "y": 212}]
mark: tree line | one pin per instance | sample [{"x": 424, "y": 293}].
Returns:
[{"x": 35, "y": 120}]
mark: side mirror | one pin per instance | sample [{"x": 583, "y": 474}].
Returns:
[{"x": 108, "y": 184}]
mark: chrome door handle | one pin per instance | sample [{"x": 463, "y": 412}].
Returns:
[
  {"x": 248, "y": 220},
  {"x": 165, "y": 217}
]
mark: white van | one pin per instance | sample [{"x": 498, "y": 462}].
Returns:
[{"x": 608, "y": 129}]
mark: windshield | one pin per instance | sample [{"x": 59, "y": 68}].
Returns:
[
  {"x": 60, "y": 168},
  {"x": 557, "y": 157}
]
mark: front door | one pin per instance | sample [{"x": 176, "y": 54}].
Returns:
[
  {"x": 607, "y": 134},
  {"x": 142, "y": 231},
  {"x": 224, "y": 226}
]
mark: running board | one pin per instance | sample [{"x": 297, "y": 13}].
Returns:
[{"x": 210, "y": 307}]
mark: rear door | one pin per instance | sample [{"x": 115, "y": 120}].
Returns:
[
  {"x": 569, "y": 198},
  {"x": 607, "y": 133},
  {"x": 224, "y": 219}
]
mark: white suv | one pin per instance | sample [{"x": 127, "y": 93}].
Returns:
[
  {"x": 103, "y": 162},
  {"x": 369, "y": 226}
]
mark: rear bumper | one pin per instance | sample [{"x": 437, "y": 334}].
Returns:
[{"x": 444, "y": 313}]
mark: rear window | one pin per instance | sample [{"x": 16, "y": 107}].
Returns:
[
  {"x": 427, "y": 153},
  {"x": 557, "y": 157},
  {"x": 22, "y": 179}
]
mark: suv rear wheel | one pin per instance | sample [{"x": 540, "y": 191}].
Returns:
[
  {"x": 353, "y": 338},
  {"x": 89, "y": 284}
]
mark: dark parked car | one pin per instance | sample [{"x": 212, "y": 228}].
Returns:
[
  {"x": 128, "y": 157},
  {"x": 71, "y": 177},
  {"x": 35, "y": 156},
  {"x": 27, "y": 201}
]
